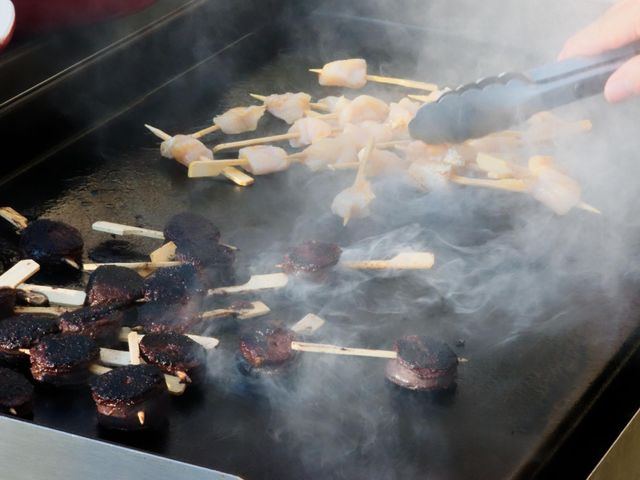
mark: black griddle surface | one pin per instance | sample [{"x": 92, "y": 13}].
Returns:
[{"x": 526, "y": 381}]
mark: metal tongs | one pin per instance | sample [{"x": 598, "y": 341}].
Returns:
[{"x": 496, "y": 103}]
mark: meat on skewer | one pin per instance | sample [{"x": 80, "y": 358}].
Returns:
[
  {"x": 16, "y": 394},
  {"x": 63, "y": 360},
  {"x": 174, "y": 354},
  {"x": 363, "y": 108},
  {"x": 190, "y": 227},
  {"x": 266, "y": 347},
  {"x": 238, "y": 120},
  {"x": 287, "y": 106},
  {"x": 52, "y": 243},
  {"x": 7, "y": 301},
  {"x": 330, "y": 150},
  {"x": 352, "y": 73},
  {"x": 361, "y": 133},
  {"x": 422, "y": 364},
  {"x": 401, "y": 113},
  {"x": 184, "y": 149},
  {"x": 173, "y": 285},
  {"x": 158, "y": 317},
  {"x": 101, "y": 323},
  {"x": 430, "y": 175},
  {"x": 131, "y": 398},
  {"x": 114, "y": 285},
  {"x": 305, "y": 131},
  {"x": 23, "y": 332},
  {"x": 312, "y": 258}
]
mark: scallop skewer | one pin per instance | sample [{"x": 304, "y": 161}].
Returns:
[
  {"x": 352, "y": 73},
  {"x": 258, "y": 160},
  {"x": 234, "y": 121},
  {"x": 192, "y": 145}
]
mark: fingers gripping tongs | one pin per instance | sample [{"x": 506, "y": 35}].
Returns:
[{"x": 496, "y": 103}]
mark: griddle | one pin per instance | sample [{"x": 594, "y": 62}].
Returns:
[{"x": 527, "y": 382}]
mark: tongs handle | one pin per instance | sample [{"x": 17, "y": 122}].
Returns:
[{"x": 576, "y": 78}]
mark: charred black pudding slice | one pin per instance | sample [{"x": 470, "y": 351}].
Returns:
[
  {"x": 7, "y": 301},
  {"x": 174, "y": 354},
  {"x": 155, "y": 317},
  {"x": 49, "y": 242},
  {"x": 131, "y": 398},
  {"x": 266, "y": 345},
  {"x": 311, "y": 256},
  {"x": 23, "y": 332},
  {"x": 190, "y": 227},
  {"x": 423, "y": 363},
  {"x": 111, "y": 284},
  {"x": 173, "y": 285},
  {"x": 63, "y": 360},
  {"x": 101, "y": 323},
  {"x": 16, "y": 394}
]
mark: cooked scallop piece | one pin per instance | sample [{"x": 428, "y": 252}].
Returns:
[
  {"x": 309, "y": 130},
  {"x": 264, "y": 159},
  {"x": 288, "y": 106},
  {"x": 185, "y": 149},
  {"x": 240, "y": 119},
  {"x": 401, "y": 113},
  {"x": 419, "y": 151},
  {"x": 363, "y": 108},
  {"x": 556, "y": 190},
  {"x": 353, "y": 202},
  {"x": 429, "y": 175},
  {"x": 350, "y": 73},
  {"x": 384, "y": 161},
  {"x": 360, "y": 133},
  {"x": 326, "y": 151},
  {"x": 332, "y": 102}
]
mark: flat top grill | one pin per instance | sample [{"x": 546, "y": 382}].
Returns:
[{"x": 527, "y": 380}]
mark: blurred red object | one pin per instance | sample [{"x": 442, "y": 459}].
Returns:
[
  {"x": 7, "y": 22},
  {"x": 34, "y": 15}
]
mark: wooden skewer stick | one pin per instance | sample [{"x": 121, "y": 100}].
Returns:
[
  {"x": 128, "y": 335},
  {"x": 120, "y": 229},
  {"x": 337, "y": 350},
  {"x": 212, "y": 168},
  {"x": 13, "y": 411},
  {"x": 60, "y": 296},
  {"x": 236, "y": 176},
  {"x": 510, "y": 184},
  {"x": 133, "y": 342},
  {"x": 254, "y": 141},
  {"x": 14, "y": 218},
  {"x": 360, "y": 180},
  {"x": 308, "y": 324},
  {"x": 256, "y": 309},
  {"x": 394, "y": 81},
  {"x": 174, "y": 384},
  {"x": 43, "y": 310},
  {"x": 141, "y": 417},
  {"x": 165, "y": 253},
  {"x": 19, "y": 273},
  {"x": 90, "y": 267},
  {"x": 317, "y": 106},
  {"x": 256, "y": 282},
  {"x": 205, "y": 131},
  {"x": 402, "y": 261}
]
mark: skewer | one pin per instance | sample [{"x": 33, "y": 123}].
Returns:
[
  {"x": 141, "y": 417},
  {"x": 402, "y": 261},
  {"x": 127, "y": 335},
  {"x": 61, "y": 296},
  {"x": 165, "y": 253},
  {"x": 254, "y": 141},
  {"x": 257, "y": 309},
  {"x": 360, "y": 180},
  {"x": 133, "y": 342},
  {"x": 19, "y": 273},
  {"x": 14, "y": 218},
  {"x": 43, "y": 310},
  {"x": 174, "y": 384},
  {"x": 317, "y": 106},
  {"x": 233, "y": 174},
  {"x": 256, "y": 282},
  {"x": 212, "y": 168},
  {"x": 402, "y": 82},
  {"x": 308, "y": 324},
  {"x": 90, "y": 267},
  {"x": 120, "y": 229},
  {"x": 337, "y": 350},
  {"x": 205, "y": 131}
]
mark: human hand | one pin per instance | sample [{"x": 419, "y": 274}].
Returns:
[{"x": 619, "y": 26}]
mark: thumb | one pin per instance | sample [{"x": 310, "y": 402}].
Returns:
[{"x": 624, "y": 82}]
